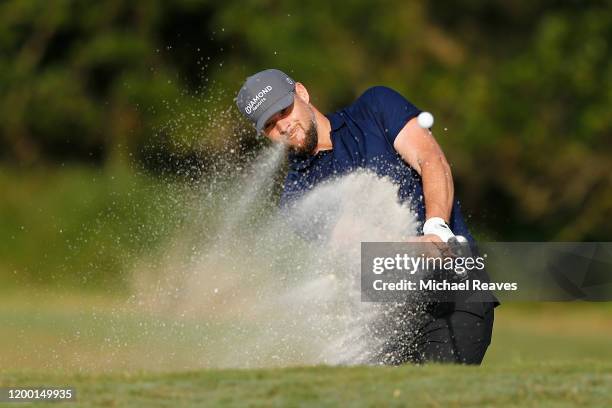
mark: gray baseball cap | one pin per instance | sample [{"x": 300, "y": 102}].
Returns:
[{"x": 265, "y": 94}]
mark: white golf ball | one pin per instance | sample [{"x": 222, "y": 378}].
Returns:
[{"x": 425, "y": 120}]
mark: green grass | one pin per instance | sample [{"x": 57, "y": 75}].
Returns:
[
  {"x": 541, "y": 355},
  {"x": 570, "y": 384}
]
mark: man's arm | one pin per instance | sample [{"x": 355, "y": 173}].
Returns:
[{"x": 420, "y": 150}]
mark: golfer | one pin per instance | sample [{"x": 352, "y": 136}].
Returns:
[{"x": 379, "y": 132}]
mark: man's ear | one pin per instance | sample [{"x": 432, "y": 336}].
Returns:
[{"x": 301, "y": 91}]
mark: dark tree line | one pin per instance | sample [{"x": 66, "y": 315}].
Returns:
[{"x": 520, "y": 89}]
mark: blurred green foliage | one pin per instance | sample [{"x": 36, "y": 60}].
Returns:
[
  {"x": 83, "y": 227},
  {"x": 520, "y": 90}
]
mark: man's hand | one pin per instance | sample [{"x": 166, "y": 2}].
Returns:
[
  {"x": 433, "y": 246},
  {"x": 425, "y": 238}
]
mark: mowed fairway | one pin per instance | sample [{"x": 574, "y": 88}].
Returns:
[
  {"x": 571, "y": 384},
  {"x": 542, "y": 355}
]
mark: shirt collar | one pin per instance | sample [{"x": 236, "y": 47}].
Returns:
[{"x": 336, "y": 120}]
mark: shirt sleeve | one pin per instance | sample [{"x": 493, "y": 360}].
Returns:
[{"x": 391, "y": 109}]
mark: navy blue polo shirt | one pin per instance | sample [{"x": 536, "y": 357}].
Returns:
[{"x": 362, "y": 137}]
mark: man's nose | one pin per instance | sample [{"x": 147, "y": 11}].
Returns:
[{"x": 282, "y": 125}]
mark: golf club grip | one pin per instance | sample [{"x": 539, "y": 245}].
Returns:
[{"x": 459, "y": 245}]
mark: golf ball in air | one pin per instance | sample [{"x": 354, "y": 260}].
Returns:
[{"x": 425, "y": 120}]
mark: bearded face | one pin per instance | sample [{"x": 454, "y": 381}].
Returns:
[
  {"x": 308, "y": 144},
  {"x": 295, "y": 127}
]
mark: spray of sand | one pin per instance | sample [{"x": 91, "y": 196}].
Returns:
[{"x": 277, "y": 288}]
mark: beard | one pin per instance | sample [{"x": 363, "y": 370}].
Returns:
[{"x": 311, "y": 138}]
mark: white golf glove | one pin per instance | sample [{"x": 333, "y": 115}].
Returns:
[{"x": 437, "y": 226}]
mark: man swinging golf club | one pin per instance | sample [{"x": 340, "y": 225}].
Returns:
[{"x": 380, "y": 131}]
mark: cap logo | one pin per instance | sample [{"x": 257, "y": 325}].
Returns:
[{"x": 257, "y": 100}]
